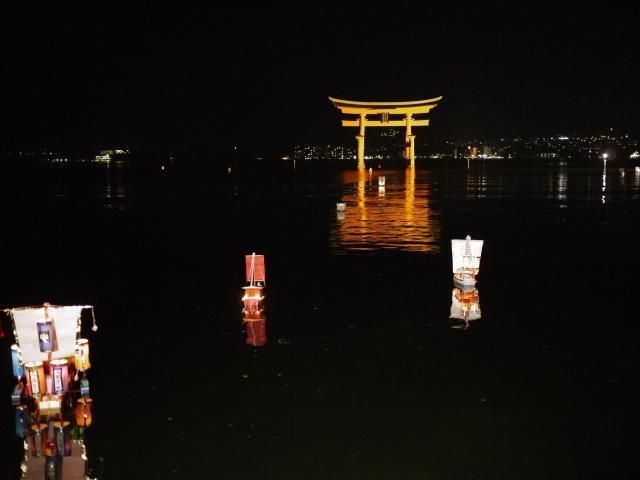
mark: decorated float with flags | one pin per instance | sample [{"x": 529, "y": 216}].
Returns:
[{"x": 51, "y": 396}]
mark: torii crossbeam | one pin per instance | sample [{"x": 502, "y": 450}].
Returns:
[{"x": 383, "y": 110}]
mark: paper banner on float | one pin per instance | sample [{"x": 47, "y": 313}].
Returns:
[{"x": 66, "y": 320}]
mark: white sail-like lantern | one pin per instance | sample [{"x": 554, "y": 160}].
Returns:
[
  {"x": 466, "y": 253},
  {"x": 465, "y": 260},
  {"x": 66, "y": 320}
]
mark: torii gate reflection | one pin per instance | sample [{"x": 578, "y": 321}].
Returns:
[
  {"x": 394, "y": 214},
  {"x": 383, "y": 110}
]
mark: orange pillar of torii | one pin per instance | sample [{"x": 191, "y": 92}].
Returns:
[{"x": 384, "y": 110}]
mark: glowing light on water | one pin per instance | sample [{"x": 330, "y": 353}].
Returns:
[{"x": 396, "y": 216}]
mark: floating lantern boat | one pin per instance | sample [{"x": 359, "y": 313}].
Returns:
[
  {"x": 465, "y": 256},
  {"x": 255, "y": 276},
  {"x": 51, "y": 400}
]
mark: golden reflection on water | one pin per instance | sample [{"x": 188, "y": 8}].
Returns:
[
  {"x": 393, "y": 213},
  {"x": 255, "y": 330},
  {"x": 465, "y": 307}
]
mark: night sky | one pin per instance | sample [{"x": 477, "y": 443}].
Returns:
[{"x": 179, "y": 76}]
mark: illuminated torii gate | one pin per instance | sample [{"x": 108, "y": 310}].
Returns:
[{"x": 384, "y": 109}]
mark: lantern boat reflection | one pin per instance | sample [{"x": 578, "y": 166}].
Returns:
[
  {"x": 51, "y": 397},
  {"x": 256, "y": 330},
  {"x": 465, "y": 306}
]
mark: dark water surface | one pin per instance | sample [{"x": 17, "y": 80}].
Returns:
[{"x": 363, "y": 375}]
